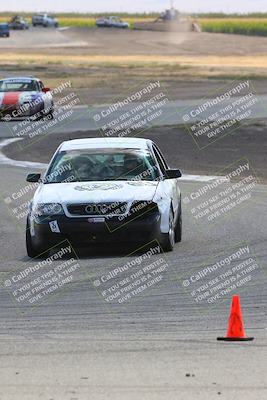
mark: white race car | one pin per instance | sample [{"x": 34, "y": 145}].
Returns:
[
  {"x": 24, "y": 97},
  {"x": 105, "y": 190}
]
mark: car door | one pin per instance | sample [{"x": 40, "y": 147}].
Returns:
[{"x": 169, "y": 186}]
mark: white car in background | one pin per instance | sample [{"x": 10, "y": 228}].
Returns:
[
  {"x": 112, "y": 22},
  {"x": 105, "y": 190},
  {"x": 44, "y": 20}
]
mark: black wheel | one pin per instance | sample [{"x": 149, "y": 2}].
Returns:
[
  {"x": 46, "y": 115},
  {"x": 50, "y": 114},
  {"x": 33, "y": 250},
  {"x": 178, "y": 227},
  {"x": 168, "y": 239},
  {"x": 37, "y": 116}
]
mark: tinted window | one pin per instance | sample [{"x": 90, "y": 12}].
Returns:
[
  {"x": 18, "y": 85},
  {"x": 102, "y": 165}
]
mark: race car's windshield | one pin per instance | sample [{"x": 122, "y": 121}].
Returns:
[
  {"x": 102, "y": 165},
  {"x": 18, "y": 85}
]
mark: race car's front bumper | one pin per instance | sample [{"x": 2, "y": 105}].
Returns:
[
  {"x": 14, "y": 112},
  {"x": 81, "y": 232}
]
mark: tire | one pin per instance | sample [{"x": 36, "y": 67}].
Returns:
[
  {"x": 33, "y": 250},
  {"x": 50, "y": 113},
  {"x": 178, "y": 227},
  {"x": 167, "y": 240},
  {"x": 45, "y": 115}
]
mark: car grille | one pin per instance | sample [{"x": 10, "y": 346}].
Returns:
[{"x": 109, "y": 208}]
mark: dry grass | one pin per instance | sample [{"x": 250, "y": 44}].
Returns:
[{"x": 136, "y": 60}]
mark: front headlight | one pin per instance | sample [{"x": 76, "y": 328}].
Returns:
[{"x": 48, "y": 209}]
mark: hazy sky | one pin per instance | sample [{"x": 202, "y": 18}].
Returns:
[{"x": 241, "y": 6}]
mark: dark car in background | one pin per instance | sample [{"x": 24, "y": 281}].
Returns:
[
  {"x": 18, "y": 23},
  {"x": 4, "y": 29}
]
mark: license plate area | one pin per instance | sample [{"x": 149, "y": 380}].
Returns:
[{"x": 96, "y": 220}]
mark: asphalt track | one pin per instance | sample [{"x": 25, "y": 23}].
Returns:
[
  {"x": 84, "y": 117},
  {"x": 160, "y": 346}
]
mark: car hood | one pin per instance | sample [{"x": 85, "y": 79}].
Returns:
[{"x": 95, "y": 192}]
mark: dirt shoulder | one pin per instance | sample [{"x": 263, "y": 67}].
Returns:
[
  {"x": 86, "y": 41},
  {"x": 92, "y": 50}
]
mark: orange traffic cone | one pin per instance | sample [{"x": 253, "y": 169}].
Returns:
[{"x": 236, "y": 328}]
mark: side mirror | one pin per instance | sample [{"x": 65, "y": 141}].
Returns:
[
  {"x": 33, "y": 177},
  {"x": 173, "y": 173},
  {"x": 46, "y": 89}
]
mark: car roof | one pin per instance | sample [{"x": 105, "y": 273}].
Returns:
[
  {"x": 20, "y": 77},
  {"x": 91, "y": 143}
]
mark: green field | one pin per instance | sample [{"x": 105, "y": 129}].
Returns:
[
  {"x": 241, "y": 26},
  {"x": 236, "y": 16},
  {"x": 90, "y": 22}
]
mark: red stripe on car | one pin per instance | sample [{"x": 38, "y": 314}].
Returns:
[{"x": 11, "y": 98}]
